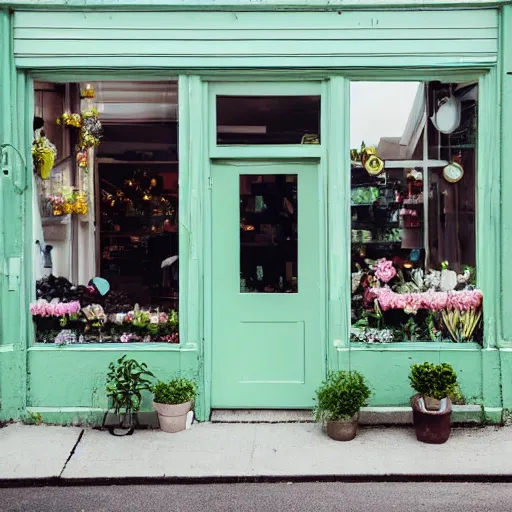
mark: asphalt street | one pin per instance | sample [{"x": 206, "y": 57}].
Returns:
[{"x": 282, "y": 497}]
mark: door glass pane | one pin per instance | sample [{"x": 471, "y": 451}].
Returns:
[
  {"x": 268, "y": 233},
  {"x": 243, "y": 120}
]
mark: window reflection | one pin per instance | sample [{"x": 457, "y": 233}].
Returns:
[
  {"x": 243, "y": 120},
  {"x": 268, "y": 233}
]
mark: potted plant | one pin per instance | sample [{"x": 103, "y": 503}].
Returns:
[
  {"x": 431, "y": 405},
  {"x": 339, "y": 400},
  {"x": 172, "y": 401},
  {"x": 126, "y": 380}
]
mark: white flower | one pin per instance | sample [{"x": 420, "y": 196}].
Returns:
[{"x": 119, "y": 318}]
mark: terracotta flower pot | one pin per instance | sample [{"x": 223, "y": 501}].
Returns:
[
  {"x": 431, "y": 426},
  {"x": 343, "y": 430},
  {"x": 172, "y": 417}
]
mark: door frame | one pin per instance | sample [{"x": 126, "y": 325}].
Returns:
[{"x": 333, "y": 95}]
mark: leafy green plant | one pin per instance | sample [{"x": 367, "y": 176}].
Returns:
[
  {"x": 436, "y": 381},
  {"x": 341, "y": 396},
  {"x": 33, "y": 419},
  {"x": 126, "y": 381},
  {"x": 176, "y": 391}
]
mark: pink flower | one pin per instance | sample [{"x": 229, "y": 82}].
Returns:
[
  {"x": 465, "y": 300},
  {"x": 44, "y": 308},
  {"x": 385, "y": 270},
  {"x": 412, "y": 303},
  {"x": 435, "y": 301}
]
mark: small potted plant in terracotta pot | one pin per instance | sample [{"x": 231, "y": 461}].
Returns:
[
  {"x": 172, "y": 401},
  {"x": 339, "y": 400},
  {"x": 431, "y": 405}
]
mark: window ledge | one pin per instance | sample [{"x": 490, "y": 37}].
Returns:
[
  {"x": 413, "y": 346},
  {"x": 127, "y": 347}
]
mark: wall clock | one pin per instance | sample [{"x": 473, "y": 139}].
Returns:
[{"x": 453, "y": 172}]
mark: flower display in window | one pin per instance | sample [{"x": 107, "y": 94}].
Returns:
[
  {"x": 65, "y": 314},
  {"x": 413, "y": 305},
  {"x": 385, "y": 270}
]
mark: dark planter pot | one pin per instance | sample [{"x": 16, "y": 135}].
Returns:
[
  {"x": 127, "y": 423},
  {"x": 343, "y": 430},
  {"x": 432, "y": 427}
]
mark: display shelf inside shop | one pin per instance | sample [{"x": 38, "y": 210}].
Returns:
[
  {"x": 138, "y": 218},
  {"x": 387, "y": 213}
]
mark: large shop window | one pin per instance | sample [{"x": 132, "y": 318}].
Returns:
[
  {"x": 413, "y": 210},
  {"x": 106, "y": 212}
]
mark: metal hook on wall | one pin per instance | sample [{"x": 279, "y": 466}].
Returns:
[{"x": 6, "y": 167}]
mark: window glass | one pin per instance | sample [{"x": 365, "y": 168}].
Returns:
[
  {"x": 107, "y": 224},
  {"x": 268, "y": 233},
  {"x": 413, "y": 213},
  {"x": 243, "y": 120}
]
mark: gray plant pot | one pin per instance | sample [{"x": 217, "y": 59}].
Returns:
[
  {"x": 344, "y": 430},
  {"x": 172, "y": 417}
]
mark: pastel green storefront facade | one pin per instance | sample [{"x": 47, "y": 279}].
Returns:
[{"x": 244, "y": 48}]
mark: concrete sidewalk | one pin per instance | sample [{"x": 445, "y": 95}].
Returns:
[{"x": 214, "y": 451}]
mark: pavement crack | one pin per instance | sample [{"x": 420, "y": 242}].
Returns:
[
  {"x": 253, "y": 449},
  {"x": 72, "y": 452}
]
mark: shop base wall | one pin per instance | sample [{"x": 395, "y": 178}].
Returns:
[
  {"x": 506, "y": 382},
  {"x": 387, "y": 368},
  {"x": 67, "y": 384}
]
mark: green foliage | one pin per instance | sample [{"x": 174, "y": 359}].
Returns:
[
  {"x": 33, "y": 419},
  {"x": 176, "y": 391},
  {"x": 341, "y": 396},
  {"x": 126, "y": 381},
  {"x": 437, "y": 381}
]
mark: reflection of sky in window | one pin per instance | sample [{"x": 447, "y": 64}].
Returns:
[{"x": 379, "y": 109}]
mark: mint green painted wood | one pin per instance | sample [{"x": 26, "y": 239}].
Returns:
[
  {"x": 197, "y": 64},
  {"x": 338, "y": 204},
  {"x": 212, "y": 34},
  {"x": 266, "y": 348},
  {"x": 506, "y": 381},
  {"x": 241, "y": 5},
  {"x": 488, "y": 198},
  {"x": 262, "y": 39},
  {"x": 15, "y": 179},
  {"x": 191, "y": 224},
  {"x": 462, "y": 73},
  {"x": 74, "y": 378},
  {"x": 506, "y": 178},
  {"x": 491, "y": 374},
  {"x": 454, "y": 19},
  {"x": 388, "y": 370},
  {"x": 247, "y": 48}
]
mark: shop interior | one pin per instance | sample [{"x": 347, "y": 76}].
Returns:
[
  {"x": 413, "y": 212},
  {"x": 128, "y": 234},
  {"x": 106, "y": 192}
]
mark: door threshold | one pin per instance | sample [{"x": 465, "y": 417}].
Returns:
[{"x": 262, "y": 416}]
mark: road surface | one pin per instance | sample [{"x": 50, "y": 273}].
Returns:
[{"x": 272, "y": 497}]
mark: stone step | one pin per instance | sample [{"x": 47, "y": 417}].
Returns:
[
  {"x": 261, "y": 416},
  {"x": 368, "y": 416}
]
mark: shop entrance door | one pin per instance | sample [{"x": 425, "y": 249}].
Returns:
[{"x": 267, "y": 350}]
